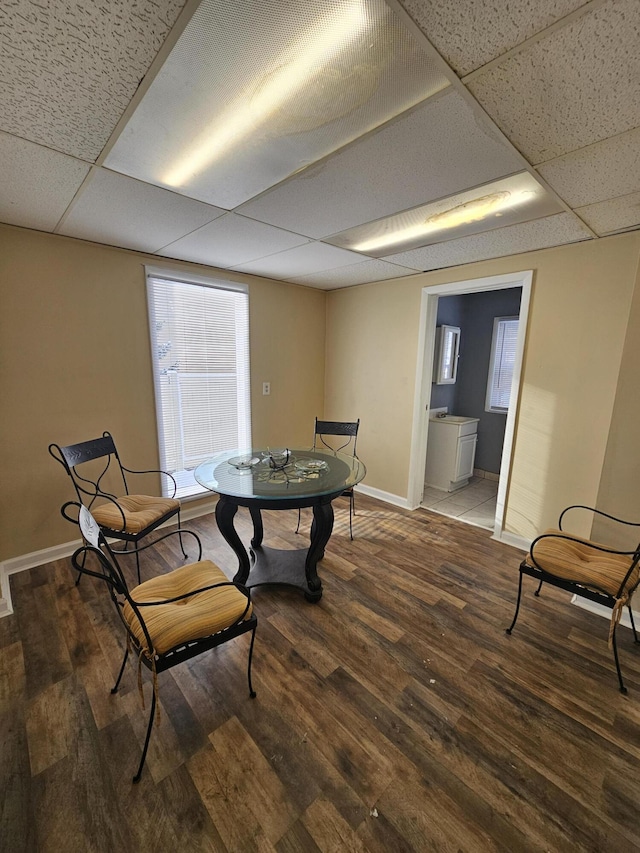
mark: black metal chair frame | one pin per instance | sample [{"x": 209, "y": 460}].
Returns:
[
  {"x": 591, "y": 594},
  {"x": 348, "y": 429},
  {"x": 111, "y": 573},
  {"x": 88, "y": 490}
]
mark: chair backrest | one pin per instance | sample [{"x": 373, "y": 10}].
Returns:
[
  {"x": 89, "y": 484},
  {"x": 344, "y": 429}
]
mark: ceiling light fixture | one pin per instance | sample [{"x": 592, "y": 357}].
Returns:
[
  {"x": 319, "y": 46},
  {"x": 462, "y": 214}
]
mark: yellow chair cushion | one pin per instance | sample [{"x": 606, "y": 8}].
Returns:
[
  {"x": 139, "y": 512},
  {"x": 574, "y": 560},
  {"x": 192, "y": 618}
]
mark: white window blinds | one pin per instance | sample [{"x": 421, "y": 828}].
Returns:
[
  {"x": 501, "y": 364},
  {"x": 200, "y": 351}
]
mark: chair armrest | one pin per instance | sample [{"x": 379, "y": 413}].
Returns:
[
  {"x": 597, "y": 512},
  {"x": 155, "y": 471}
]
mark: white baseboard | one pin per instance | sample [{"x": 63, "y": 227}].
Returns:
[
  {"x": 387, "y": 497},
  {"x": 512, "y": 539}
]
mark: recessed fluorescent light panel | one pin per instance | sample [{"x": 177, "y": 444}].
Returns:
[
  {"x": 517, "y": 198},
  {"x": 255, "y": 90}
]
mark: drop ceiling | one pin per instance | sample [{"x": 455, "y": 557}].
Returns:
[{"x": 327, "y": 143}]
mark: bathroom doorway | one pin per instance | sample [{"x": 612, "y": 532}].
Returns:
[{"x": 483, "y": 499}]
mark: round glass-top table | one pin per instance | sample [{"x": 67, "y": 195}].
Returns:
[{"x": 257, "y": 480}]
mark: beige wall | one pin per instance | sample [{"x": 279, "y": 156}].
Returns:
[
  {"x": 580, "y": 306},
  {"x": 76, "y": 360},
  {"x": 619, "y": 493}
]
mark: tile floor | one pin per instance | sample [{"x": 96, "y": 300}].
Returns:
[{"x": 475, "y": 503}]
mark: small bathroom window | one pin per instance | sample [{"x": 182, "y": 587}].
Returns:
[
  {"x": 501, "y": 363},
  {"x": 445, "y": 364}
]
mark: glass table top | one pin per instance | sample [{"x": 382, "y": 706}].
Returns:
[{"x": 306, "y": 473}]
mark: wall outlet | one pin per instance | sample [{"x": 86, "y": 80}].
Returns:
[{"x": 266, "y": 388}]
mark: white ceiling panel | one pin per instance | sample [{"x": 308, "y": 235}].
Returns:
[
  {"x": 232, "y": 240},
  {"x": 255, "y": 90},
  {"x": 68, "y": 69},
  {"x": 604, "y": 170},
  {"x": 36, "y": 184},
  {"x": 303, "y": 260},
  {"x": 540, "y": 234},
  {"x": 362, "y": 273},
  {"x": 617, "y": 214},
  {"x": 578, "y": 86},
  {"x": 120, "y": 211},
  {"x": 470, "y": 33},
  {"x": 436, "y": 150}
]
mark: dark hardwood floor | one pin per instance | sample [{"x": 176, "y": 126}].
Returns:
[{"x": 395, "y": 715}]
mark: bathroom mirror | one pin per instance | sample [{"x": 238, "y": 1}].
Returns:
[{"x": 445, "y": 363}]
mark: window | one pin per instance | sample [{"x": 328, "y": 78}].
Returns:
[
  {"x": 199, "y": 333},
  {"x": 501, "y": 363}
]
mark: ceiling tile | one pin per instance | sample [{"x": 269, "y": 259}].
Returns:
[
  {"x": 604, "y": 170},
  {"x": 36, "y": 184},
  {"x": 68, "y": 69},
  {"x": 438, "y": 149},
  {"x": 539, "y": 234},
  {"x": 470, "y": 33},
  {"x": 120, "y": 211},
  {"x": 303, "y": 260},
  {"x": 617, "y": 214},
  {"x": 232, "y": 240},
  {"x": 253, "y": 92},
  {"x": 363, "y": 273},
  {"x": 578, "y": 86}
]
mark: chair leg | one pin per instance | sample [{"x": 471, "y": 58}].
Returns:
[
  {"x": 299, "y": 517},
  {"x": 633, "y": 625},
  {"x": 537, "y": 592},
  {"x": 352, "y": 512},
  {"x": 623, "y": 689},
  {"x": 136, "y": 778},
  {"x": 515, "y": 615},
  {"x": 137, "y": 563},
  {"x": 184, "y": 553},
  {"x": 124, "y": 660},
  {"x": 252, "y": 692},
  {"x": 84, "y": 557}
]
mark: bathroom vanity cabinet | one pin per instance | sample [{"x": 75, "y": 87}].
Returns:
[{"x": 451, "y": 451}]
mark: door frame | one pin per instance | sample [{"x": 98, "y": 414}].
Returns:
[{"x": 424, "y": 372}]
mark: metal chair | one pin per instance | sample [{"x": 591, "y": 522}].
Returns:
[
  {"x": 343, "y": 429},
  {"x": 172, "y": 617},
  {"x": 129, "y": 518},
  {"x": 595, "y": 572}
]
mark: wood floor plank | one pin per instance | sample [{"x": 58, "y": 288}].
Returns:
[
  {"x": 12, "y": 675},
  {"x": 17, "y": 823},
  {"x": 329, "y": 830}
]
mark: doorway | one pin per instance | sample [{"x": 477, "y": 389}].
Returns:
[{"x": 424, "y": 372}]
